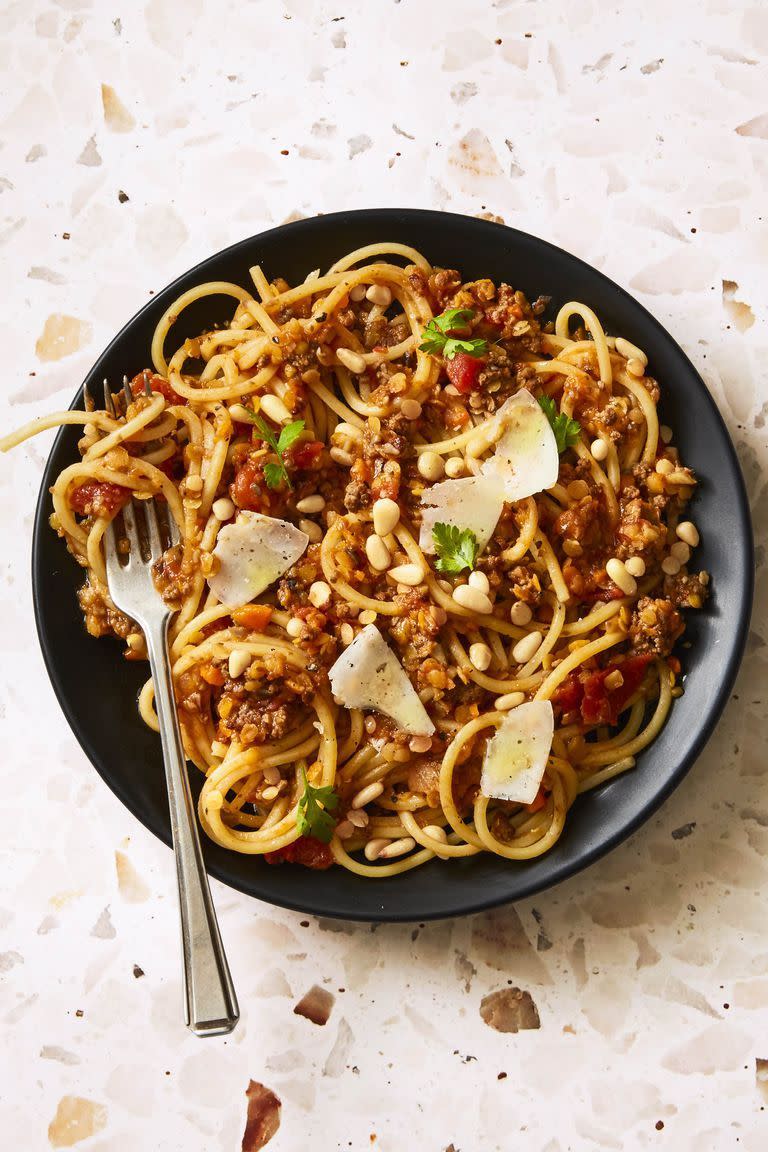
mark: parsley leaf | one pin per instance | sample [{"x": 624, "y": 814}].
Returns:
[
  {"x": 456, "y": 548},
  {"x": 313, "y": 814},
  {"x": 437, "y": 339},
  {"x": 275, "y": 473},
  {"x": 566, "y": 429}
]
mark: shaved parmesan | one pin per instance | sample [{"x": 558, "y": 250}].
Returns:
[
  {"x": 474, "y": 502},
  {"x": 526, "y": 459},
  {"x": 516, "y": 757},
  {"x": 252, "y": 553},
  {"x": 369, "y": 675}
]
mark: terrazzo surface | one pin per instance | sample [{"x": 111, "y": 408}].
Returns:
[{"x": 137, "y": 139}]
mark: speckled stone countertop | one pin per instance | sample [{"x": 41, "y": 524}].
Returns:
[{"x": 136, "y": 139}]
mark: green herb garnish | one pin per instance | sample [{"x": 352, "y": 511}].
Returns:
[
  {"x": 566, "y": 429},
  {"x": 437, "y": 339},
  {"x": 275, "y": 473},
  {"x": 456, "y": 548},
  {"x": 315, "y": 804}
]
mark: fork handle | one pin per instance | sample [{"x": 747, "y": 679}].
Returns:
[{"x": 210, "y": 1001}]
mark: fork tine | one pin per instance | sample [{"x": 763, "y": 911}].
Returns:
[
  {"x": 147, "y": 387},
  {"x": 88, "y": 400},
  {"x": 109, "y": 403},
  {"x": 153, "y": 529},
  {"x": 131, "y": 529},
  {"x": 173, "y": 529},
  {"x": 127, "y": 391}
]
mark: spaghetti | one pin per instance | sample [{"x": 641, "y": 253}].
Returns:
[{"x": 576, "y": 598}]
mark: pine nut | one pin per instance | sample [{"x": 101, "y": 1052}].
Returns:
[
  {"x": 681, "y": 551},
  {"x": 347, "y": 633},
  {"x": 358, "y": 817},
  {"x": 419, "y": 744},
  {"x": 520, "y": 614},
  {"x": 240, "y": 414},
  {"x": 238, "y": 661},
  {"x": 357, "y": 293},
  {"x": 271, "y": 774},
  {"x": 341, "y": 457},
  {"x": 274, "y": 409},
  {"x": 397, "y": 848},
  {"x": 373, "y": 848},
  {"x": 352, "y": 360},
  {"x": 526, "y": 648},
  {"x": 617, "y": 571},
  {"x": 666, "y": 433},
  {"x": 509, "y": 700},
  {"x": 572, "y": 548},
  {"x": 371, "y": 725},
  {"x": 479, "y": 580},
  {"x": 671, "y": 566},
  {"x": 311, "y": 504},
  {"x": 367, "y": 795},
  {"x": 630, "y": 351},
  {"x": 368, "y": 616},
  {"x": 379, "y": 294},
  {"x": 344, "y": 830},
  {"x": 688, "y": 532},
  {"x": 270, "y": 793},
  {"x": 636, "y": 368},
  {"x": 431, "y": 466},
  {"x": 223, "y": 508},
  {"x": 319, "y": 594},
  {"x": 480, "y": 656},
  {"x": 454, "y": 468},
  {"x": 664, "y": 466},
  {"x": 411, "y": 409},
  {"x": 435, "y": 832},
  {"x": 704, "y": 578},
  {"x": 599, "y": 449},
  {"x": 135, "y": 641},
  {"x": 635, "y": 566},
  {"x": 386, "y": 515},
  {"x": 473, "y": 599},
  {"x": 314, "y": 531},
  {"x": 408, "y": 574},
  {"x": 378, "y": 553},
  {"x": 295, "y": 628},
  {"x": 614, "y": 680},
  {"x": 194, "y": 483}
]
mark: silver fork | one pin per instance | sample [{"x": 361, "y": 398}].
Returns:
[{"x": 210, "y": 1001}]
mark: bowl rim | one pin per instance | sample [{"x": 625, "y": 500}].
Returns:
[{"x": 560, "y": 870}]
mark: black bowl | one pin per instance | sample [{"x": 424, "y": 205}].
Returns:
[{"x": 97, "y": 689}]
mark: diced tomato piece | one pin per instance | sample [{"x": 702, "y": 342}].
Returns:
[
  {"x": 212, "y": 675},
  {"x": 307, "y": 850},
  {"x": 463, "y": 372},
  {"x": 568, "y": 695},
  {"x": 98, "y": 498},
  {"x": 157, "y": 384},
  {"x": 632, "y": 670},
  {"x": 253, "y": 616},
  {"x": 586, "y": 690},
  {"x": 306, "y": 453},
  {"x": 249, "y": 489}
]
